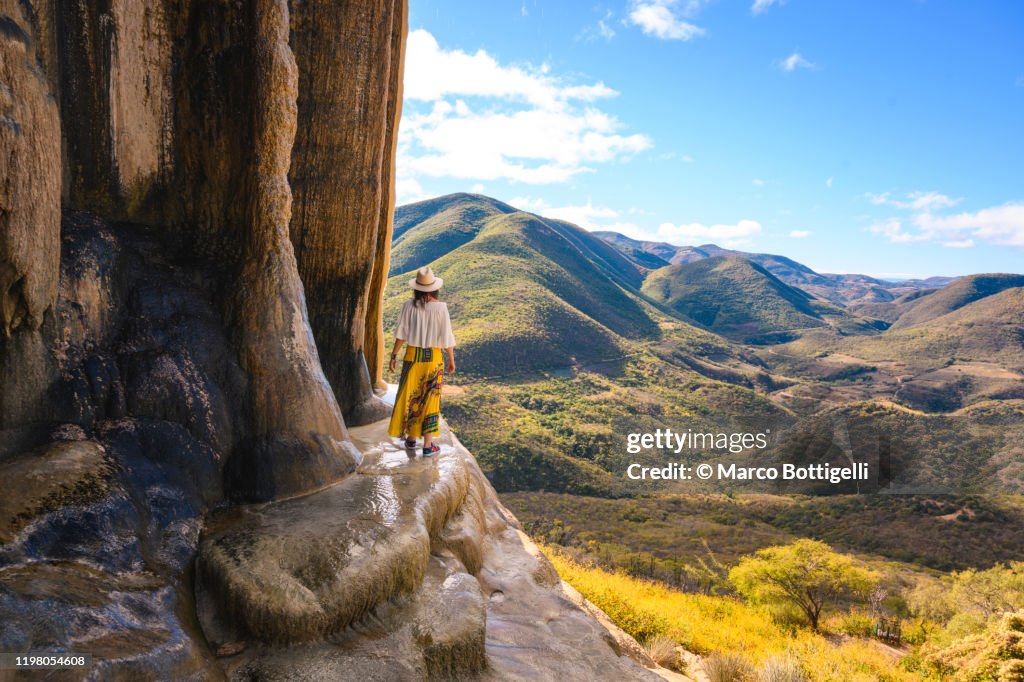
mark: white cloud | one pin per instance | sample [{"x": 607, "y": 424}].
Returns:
[
  {"x": 892, "y": 229},
  {"x": 433, "y": 73},
  {"x": 664, "y": 19},
  {"x": 588, "y": 216},
  {"x": 408, "y": 190},
  {"x": 828, "y": 183},
  {"x": 1003, "y": 225},
  {"x": 758, "y": 182},
  {"x": 917, "y": 201},
  {"x": 687, "y": 158},
  {"x": 796, "y": 61},
  {"x": 762, "y": 5},
  {"x": 800, "y": 234},
  {"x": 602, "y": 29},
  {"x": 926, "y": 201},
  {"x": 961, "y": 244},
  {"x": 730, "y": 235},
  {"x": 468, "y": 116},
  {"x": 478, "y": 188}
]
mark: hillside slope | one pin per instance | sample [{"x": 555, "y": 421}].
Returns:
[
  {"x": 733, "y": 296},
  {"x": 955, "y": 296},
  {"x": 426, "y": 230}
]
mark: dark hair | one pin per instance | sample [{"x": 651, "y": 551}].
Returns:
[{"x": 420, "y": 297}]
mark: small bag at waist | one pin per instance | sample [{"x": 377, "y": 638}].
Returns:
[{"x": 414, "y": 354}]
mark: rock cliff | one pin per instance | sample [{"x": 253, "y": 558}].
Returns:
[{"x": 195, "y": 224}]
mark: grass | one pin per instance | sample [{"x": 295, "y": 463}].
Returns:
[{"x": 720, "y": 627}]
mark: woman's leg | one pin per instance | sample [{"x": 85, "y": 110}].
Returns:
[{"x": 428, "y": 438}]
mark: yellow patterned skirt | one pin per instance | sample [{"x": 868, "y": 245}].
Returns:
[{"x": 418, "y": 403}]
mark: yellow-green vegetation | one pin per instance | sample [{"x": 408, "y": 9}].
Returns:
[
  {"x": 967, "y": 627},
  {"x": 708, "y": 625},
  {"x": 981, "y": 614},
  {"x": 672, "y": 532},
  {"x": 996, "y": 653},
  {"x": 568, "y": 433},
  {"x": 425, "y": 231},
  {"x": 568, "y": 342},
  {"x": 806, "y": 574},
  {"x": 564, "y": 349}
]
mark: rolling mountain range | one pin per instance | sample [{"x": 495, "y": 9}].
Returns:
[
  {"x": 845, "y": 289},
  {"x": 570, "y": 339}
]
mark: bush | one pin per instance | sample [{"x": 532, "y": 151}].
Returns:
[
  {"x": 856, "y": 624},
  {"x": 995, "y": 654},
  {"x": 781, "y": 669},
  {"x": 727, "y": 668},
  {"x": 664, "y": 651}
]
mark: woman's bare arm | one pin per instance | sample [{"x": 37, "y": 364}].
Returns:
[
  {"x": 394, "y": 354},
  {"x": 451, "y": 360}
]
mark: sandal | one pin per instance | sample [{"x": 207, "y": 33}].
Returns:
[{"x": 432, "y": 450}]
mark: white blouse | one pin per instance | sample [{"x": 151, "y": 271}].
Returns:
[{"x": 428, "y": 326}]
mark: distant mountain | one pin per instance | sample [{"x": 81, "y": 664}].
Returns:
[
  {"x": 841, "y": 289},
  {"x": 890, "y": 311},
  {"x": 960, "y": 293},
  {"x": 735, "y": 297}
]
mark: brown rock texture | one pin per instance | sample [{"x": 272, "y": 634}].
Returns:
[
  {"x": 341, "y": 177},
  {"x": 30, "y": 172}
]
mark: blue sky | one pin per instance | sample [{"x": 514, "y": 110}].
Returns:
[{"x": 883, "y": 137}]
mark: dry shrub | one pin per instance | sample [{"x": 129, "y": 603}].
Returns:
[{"x": 727, "y": 668}]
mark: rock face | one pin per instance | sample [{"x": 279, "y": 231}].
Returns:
[
  {"x": 342, "y": 181},
  {"x": 411, "y": 569},
  {"x": 195, "y": 224}
]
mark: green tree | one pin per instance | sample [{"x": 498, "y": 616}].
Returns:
[
  {"x": 992, "y": 592},
  {"x": 807, "y": 574}
]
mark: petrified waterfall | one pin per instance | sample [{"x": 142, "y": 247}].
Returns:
[{"x": 195, "y": 223}]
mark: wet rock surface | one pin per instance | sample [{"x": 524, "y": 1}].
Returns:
[
  {"x": 475, "y": 599},
  {"x": 102, "y": 520},
  {"x": 306, "y": 568}
]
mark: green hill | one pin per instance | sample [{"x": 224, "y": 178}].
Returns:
[
  {"x": 426, "y": 230},
  {"x": 734, "y": 297},
  {"x": 960, "y": 293}
]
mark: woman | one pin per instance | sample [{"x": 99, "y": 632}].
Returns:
[{"x": 425, "y": 326}]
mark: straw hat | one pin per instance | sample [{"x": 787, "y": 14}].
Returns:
[{"x": 425, "y": 280}]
